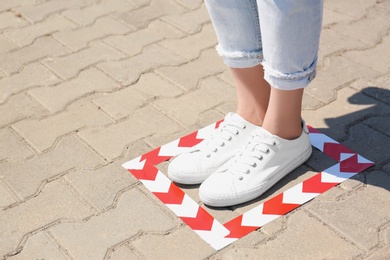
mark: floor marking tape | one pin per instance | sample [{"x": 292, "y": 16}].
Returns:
[{"x": 219, "y": 235}]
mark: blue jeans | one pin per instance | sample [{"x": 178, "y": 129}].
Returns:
[{"x": 282, "y": 35}]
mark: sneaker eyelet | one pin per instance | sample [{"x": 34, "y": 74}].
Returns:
[
  {"x": 240, "y": 178},
  {"x": 237, "y": 132},
  {"x": 261, "y": 158},
  {"x": 274, "y": 143},
  {"x": 223, "y": 144},
  {"x": 244, "y": 127},
  {"x": 247, "y": 172},
  {"x": 215, "y": 150},
  {"x": 208, "y": 155},
  {"x": 254, "y": 165},
  {"x": 267, "y": 152},
  {"x": 230, "y": 138}
]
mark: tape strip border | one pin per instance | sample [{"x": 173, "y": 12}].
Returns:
[{"x": 220, "y": 235}]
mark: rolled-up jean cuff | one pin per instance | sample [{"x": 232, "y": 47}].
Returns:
[
  {"x": 240, "y": 59},
  {"x": 289, "y": 81}
]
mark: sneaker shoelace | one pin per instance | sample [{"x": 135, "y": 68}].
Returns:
[
  {"x": 225, "y": 133},
  {"x": 257, "y": 147}
]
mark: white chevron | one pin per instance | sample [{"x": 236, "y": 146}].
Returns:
[
  {"x": 333, "y": 174},
  {"x": 205, "y": 131},
  {"x": 188, "y": 208},
  {"x": 216, "y": 236},
  {"x": 160, "y": 184},
  {"x": 294, "y": 195},
  {"x": 256, "y": 218},
  {"x": 134, "y": 164},
  {"x": 318, "y": 140},
  {"x": 172, "y": 149}
]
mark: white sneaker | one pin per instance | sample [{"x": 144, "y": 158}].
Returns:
[
  {"x": 257, "y": 167},
  {"x": 195, "y": 166}
]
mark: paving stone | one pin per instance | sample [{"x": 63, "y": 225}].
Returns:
[
  {"x": 56, "y": 98},
  {"x": 6, "y": 197},
  {"x": 304, "y": 238},
  {"x": 42, "y": 10},
  {"x": 6, "y": 45},
  {"x": 10, "y": 20},
  {"x": 378, "y": 88},
  {"x": 7, "y": 5},
  {"x": 128, "y": 71},
  {"x": 383, "y": 252},
  {"x": 173, "y": 245},
  {"x": 134, "y": 42},
  {"x": 79, "y": 38},
  {"x": 40, "y": 246},
  {"x": 348, "y": 216},
  {"x": 101, "y": 186},
  {"x": 26, "y": 35},
  {"x": 186, "y": 108},
  {"x": 54, "y": 203},
  {"x": 373, "y": 58},
  {"x": 191, "y": 4},
  {"x": 69, "y": 66},
  {"x": 338, "y": 72},
  {"x": 350, "y": 106},
  {"x": 365, "y": 141},
  {"x": 111, "y": 141},
  {"x": 344, "y": 42},
  {"x": 369, "y": 29},
  {"x": 134, "y": 213},
  {"x": 20, "y": 107},
  {"x": 32, "y": 75},
  {"x": 26, "y": 177},
  {"x": 310, "y": 102},
  {"x": 79, "y": 115},
  {"x": 124, "y": 252},
  {"x": 43, "y": 47},
  {"x": 139, "y": 3},
  {"x": 187, "y": 76},
  {"x": 381, "y": 124},
  {"x": 344, "y": 7},
  {"x": 11, "y": 147},
  {"x": 90, "y": 14},
  {"x": 124, "y": 102},
  {"x": 140, "y": 17},
  {"x": 189, "y": 22},
  {"x": 191, "y": 46},
  {"x": 331, "y": 17}
]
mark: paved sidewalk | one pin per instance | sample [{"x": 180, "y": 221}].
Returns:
[{"x": 86, "y": 85}]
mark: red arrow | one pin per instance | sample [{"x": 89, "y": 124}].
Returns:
[
  {"x": 236, "y": 229},
  {"x": 275, "y": 206}
]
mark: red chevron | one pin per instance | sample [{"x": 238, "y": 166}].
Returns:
[
  {"x": 313, "y": 130},
  {"x": 275, "y": 206},
  {"x": 202, "y": 221},
  {"x": 154, "y": 158},
  {"x": 352, "y": 165},
  {"x": 174, "y": 195},
  {"x": 236, "y": 229},
  {"x": 218, "y": 123},
  {"x": 149, "y": 172},
  {"x": 334, "y": 150},
  {"x": 189, "y": 140},
  {"x": 314, "y": 185}
]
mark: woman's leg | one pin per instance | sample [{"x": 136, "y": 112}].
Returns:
[
  {"x": 237, "y": 27},
  {"x": 290, "y": 32},
  {"x": 253, "y": 93}
]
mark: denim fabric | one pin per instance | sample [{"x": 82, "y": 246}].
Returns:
[{"x": 282, "y": 35}]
